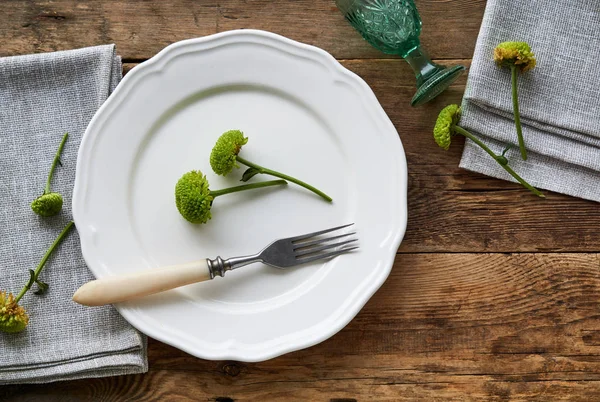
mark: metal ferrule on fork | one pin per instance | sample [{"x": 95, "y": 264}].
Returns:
[{"x": 219, "y": 266}]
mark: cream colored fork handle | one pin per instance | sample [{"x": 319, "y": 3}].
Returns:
[{"x": 117, "y": 289}]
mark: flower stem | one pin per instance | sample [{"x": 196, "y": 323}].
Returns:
[
  {"x": 476, "y": 140},
  {"x": 37, "y": 271},
  {"x": 55, "y": 162},
  {"x": 250, "y": 186},
  {"x": 515, "y": 99},
  {"x": 284, "y": 176}
]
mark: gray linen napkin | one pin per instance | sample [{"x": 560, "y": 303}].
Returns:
[
  {"x": 43, "y": 96},
  {"x": 559, "y": 99}
]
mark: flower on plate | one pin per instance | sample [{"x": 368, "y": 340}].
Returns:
[
  {"x": 225, "y": 151},
  {"x": 193, "y": 197}
]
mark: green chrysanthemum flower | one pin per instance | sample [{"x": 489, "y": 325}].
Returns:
[
  {"x": 515, "y": 53},
  {"x": 225, "y": 155},
  {"x": 225, "y": 151},
  {"x": 50, "y": 203},
  {"x": 442, "y": 132},
  {"x": 47, "y": 204},
  {"x": 447, "y": 125},
  {"x": 13, "y": 318},
  {"x": 193, "y": 197},
  {"x": 518, "y": 57}
]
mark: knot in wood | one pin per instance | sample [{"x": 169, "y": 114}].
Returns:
[{"x": 232, "y": 369}]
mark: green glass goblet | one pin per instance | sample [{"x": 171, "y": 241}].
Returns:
[{"x": 394, "y": 26}]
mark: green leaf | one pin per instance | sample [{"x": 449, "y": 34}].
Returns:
[
  {"x": 42, "y": 287},
  {"x": 31, "y": 279},
  {"x": 502, "y": 160},
  {"x": 250, "y": 173}
]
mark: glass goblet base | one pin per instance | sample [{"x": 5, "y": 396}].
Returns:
[{"x": 435, "y": 83}]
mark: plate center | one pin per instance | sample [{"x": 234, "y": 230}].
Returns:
[{"x": 285, "y": 135}]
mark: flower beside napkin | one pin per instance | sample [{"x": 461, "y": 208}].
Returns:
[
  {"x": 43, "y": 96},
  {"x": 559, "y": 99}
]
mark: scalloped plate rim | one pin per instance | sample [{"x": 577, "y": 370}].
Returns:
[{"x": 155, "y": 64}]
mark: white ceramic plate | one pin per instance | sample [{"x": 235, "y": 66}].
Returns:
[{"x": 305, "y": 115}]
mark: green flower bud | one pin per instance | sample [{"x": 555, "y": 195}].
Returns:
[
  {"x": 47, "y": 204},
  {"x": 442, "y": 132},
  {"x": 519, "y": 54},
  {"x": 193, "y": 198},
  {"x": 13, "y": 318},
  {"x": 225, "y": 151}
]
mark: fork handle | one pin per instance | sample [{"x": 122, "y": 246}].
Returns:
[{"x": 120, "y": 288}]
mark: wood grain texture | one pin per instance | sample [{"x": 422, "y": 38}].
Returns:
[
  {"x": 449, "y": 27},
  {"x": 494, "y": 294},
  {"x": 142, "y": 28},
  {"x": 139, "y": 28},
  {"x": 443, "y": 327}
]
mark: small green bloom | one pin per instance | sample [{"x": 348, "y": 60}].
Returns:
[
  {"x": 442, "y": 132},
  {"x": 225, "y": 151},
  {"x": 47, "y": 204},
  {"x": 225, "y": 156},
  {"x": 193, "y": 197},
  {"x": 50, "y": 203},
  {"x": 515, "y": 53},
  {"x": 518, "y": 57},
  {"x": 447, "y": 125},
  {"x": 13, "y": 318}
]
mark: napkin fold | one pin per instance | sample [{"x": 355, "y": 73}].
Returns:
[
  {"x": 559, "y": 99},
  {"x": 43, "y": 96}
]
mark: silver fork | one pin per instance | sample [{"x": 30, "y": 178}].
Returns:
[{"x": 282, "y": 253}]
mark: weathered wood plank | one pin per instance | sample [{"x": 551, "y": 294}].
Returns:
[
  {"x": 142, "y": 28},
  {"x": 449, "y": 27},
  {"x": 443, "y": 327},
  {"x": 139, "y": 28},
  {"x": 167, "y": 385}
]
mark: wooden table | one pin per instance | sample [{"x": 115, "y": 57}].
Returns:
[{"x": 494, "y": 294}]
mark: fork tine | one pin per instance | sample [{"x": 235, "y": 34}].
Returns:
[
  {"x": 305, "y": 260},
  {"x": 300, "y": 245},
  {"x": 314, "y": 250},
  {"x": 320, "y": 232}
]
